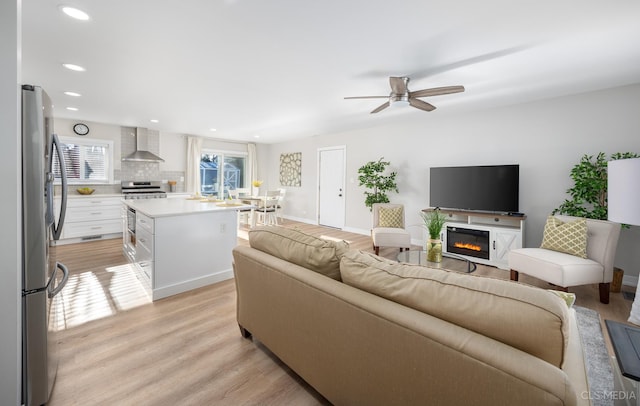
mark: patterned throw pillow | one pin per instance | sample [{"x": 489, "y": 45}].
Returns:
[
  {"x": 569, "y": 298},
  {"x": 390, "y": 217},
  {"x": 570, "y": 238}
]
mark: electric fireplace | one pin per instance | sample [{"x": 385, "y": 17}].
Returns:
[{"x": 464, "y": 241}]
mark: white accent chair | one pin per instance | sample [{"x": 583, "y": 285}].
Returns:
[
  {"x": 396, "y": 237},
  {"x": 564, "y": 270}
]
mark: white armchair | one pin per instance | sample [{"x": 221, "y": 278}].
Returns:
[
  {"x": 564, "y": 270},
  {"x": 388, "y": 227}
]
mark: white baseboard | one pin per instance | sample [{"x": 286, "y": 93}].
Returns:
[
  {"x": 171, "y": 290},
  {"x": 300, "y": 220},
  {"x": 630, "y": 280},
  {"x": 356, "y": 231}
]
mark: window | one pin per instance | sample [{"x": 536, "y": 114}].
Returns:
[
  {"x": 232, "y": 175},
  {"x": 87, "y": 160}
]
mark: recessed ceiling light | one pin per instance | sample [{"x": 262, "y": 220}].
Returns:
[
  {"x": 74, "y": 94},
  {"x": 213, "y": 129},
  {"x": 73, "y": 67},
  {"x": 75, "y": 13},
  {"x": 256, "y": 136},
  {"x": 153, "y": 120},
  {"x": 72, "y": 108}
]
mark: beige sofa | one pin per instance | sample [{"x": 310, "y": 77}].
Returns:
[{"x": 363, "y": 330}]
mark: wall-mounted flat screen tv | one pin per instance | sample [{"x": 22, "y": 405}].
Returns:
[{"x": 492, "y": 188}]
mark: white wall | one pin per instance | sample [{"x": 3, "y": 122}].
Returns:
[
  {"x": 545, "y": 138},
  {"x": 173, "y": 149},
  {"x": 64, "y": 128},
  {"x": 10, "y": 204}
]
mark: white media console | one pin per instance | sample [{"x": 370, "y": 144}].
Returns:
[{"x": 485, "y": 238}]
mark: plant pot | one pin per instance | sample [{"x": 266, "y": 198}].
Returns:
[
  {"x": 616, "y": 283},
  {"x": 434, "y": 250}
]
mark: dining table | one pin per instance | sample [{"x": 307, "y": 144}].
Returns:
[{"x": 256, "y": 202}]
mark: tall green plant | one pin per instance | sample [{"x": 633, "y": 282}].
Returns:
[
  {"x": 589, "y": 192},
  {"x": 372, "y": 177},
  {"x": 433, "y": 221}
]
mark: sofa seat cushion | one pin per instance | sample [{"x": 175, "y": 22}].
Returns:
[
  {"x": 319, "y": 255},
  {"x": 556, "y": 267},
  {"x": 391, "y": 237},
  {"x": 524, "y": 317}
]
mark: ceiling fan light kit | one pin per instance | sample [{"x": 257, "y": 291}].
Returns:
[{"x": 400, "y": 95}]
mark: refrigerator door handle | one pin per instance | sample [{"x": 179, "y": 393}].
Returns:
[
  {"x": 57, "y": 228},
  {"x": 65, "y": 277}
]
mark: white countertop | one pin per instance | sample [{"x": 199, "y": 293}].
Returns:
[{"x": 177, "y": 207}]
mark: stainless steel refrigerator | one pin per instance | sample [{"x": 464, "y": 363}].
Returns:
[{"x": 42, "y": 276}]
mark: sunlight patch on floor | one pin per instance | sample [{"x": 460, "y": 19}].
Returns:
[
  {"x": 88, "y": 297},
  {"x": 125, "y": 289}
]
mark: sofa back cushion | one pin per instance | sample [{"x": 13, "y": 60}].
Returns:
[
  {"x": 528, "y": 318},
  {"x": 302, "y": 249}
]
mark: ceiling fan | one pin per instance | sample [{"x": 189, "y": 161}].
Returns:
[{"x": 401, "y": 95}]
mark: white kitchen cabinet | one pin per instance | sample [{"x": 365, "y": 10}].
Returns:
[
  {"x": 182, "y": 245},
  {"x": 91, "y": 217}
]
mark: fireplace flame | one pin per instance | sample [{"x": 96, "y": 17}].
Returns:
[{"x": 467, "y": 245}]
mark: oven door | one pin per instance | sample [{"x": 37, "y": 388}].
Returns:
[{"x": 131, "y": 220}]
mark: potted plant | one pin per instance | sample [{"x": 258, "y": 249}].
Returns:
[
  {"x": 433, "y": 222},
  {"x": 256, "y": 187},
  {"x": 589, "y": 192},
  {"x": 589, "y": 195},
  {"x": 372, "y": 177}
]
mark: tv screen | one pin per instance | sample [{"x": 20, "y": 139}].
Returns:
[{"x": 492, "y": 188}]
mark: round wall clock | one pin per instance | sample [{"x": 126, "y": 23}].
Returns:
[{"x": 81, "y": 129}]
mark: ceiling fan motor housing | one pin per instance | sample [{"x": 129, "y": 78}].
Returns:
[{"x": 398, "y": 100}]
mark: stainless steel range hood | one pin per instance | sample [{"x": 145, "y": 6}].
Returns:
[{"x": 142, "y": 154}]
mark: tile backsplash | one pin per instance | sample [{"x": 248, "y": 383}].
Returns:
[
  {"x": 137, "y": 170},
  {"x": 145, "y": 170}
]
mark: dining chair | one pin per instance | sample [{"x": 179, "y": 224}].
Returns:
[
  {"x": 280, "y": 206},
  {"x": 267, "y": 210},
  {"x": 243, "y": 213}
]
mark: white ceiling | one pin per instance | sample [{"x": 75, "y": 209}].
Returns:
[{"x": 279, "y": 69}]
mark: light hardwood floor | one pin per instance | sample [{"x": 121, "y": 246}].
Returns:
[{"x": 118, "y": 348}]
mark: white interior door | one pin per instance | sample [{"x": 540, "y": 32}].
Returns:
[{"x": 331, "y": 175}]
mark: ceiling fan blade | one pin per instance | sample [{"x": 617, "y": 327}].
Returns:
[
  {"x": 398, "y": 84},
  {"x": 380, "y": 107},
  {"x": 422, "y": 105},
  {"x": 437, "y": 91},
  {"x": 367, "y": 97}
]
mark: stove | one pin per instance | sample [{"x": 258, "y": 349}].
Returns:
[{"x": 142, "y": 189}]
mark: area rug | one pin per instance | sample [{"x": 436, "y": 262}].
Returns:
[{"x": 597, "y": 360}]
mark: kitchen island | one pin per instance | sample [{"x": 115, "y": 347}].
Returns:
[{"x": 179, "y": 244}]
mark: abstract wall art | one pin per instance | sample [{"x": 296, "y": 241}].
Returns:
[{"x": 291, "y": 169}]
